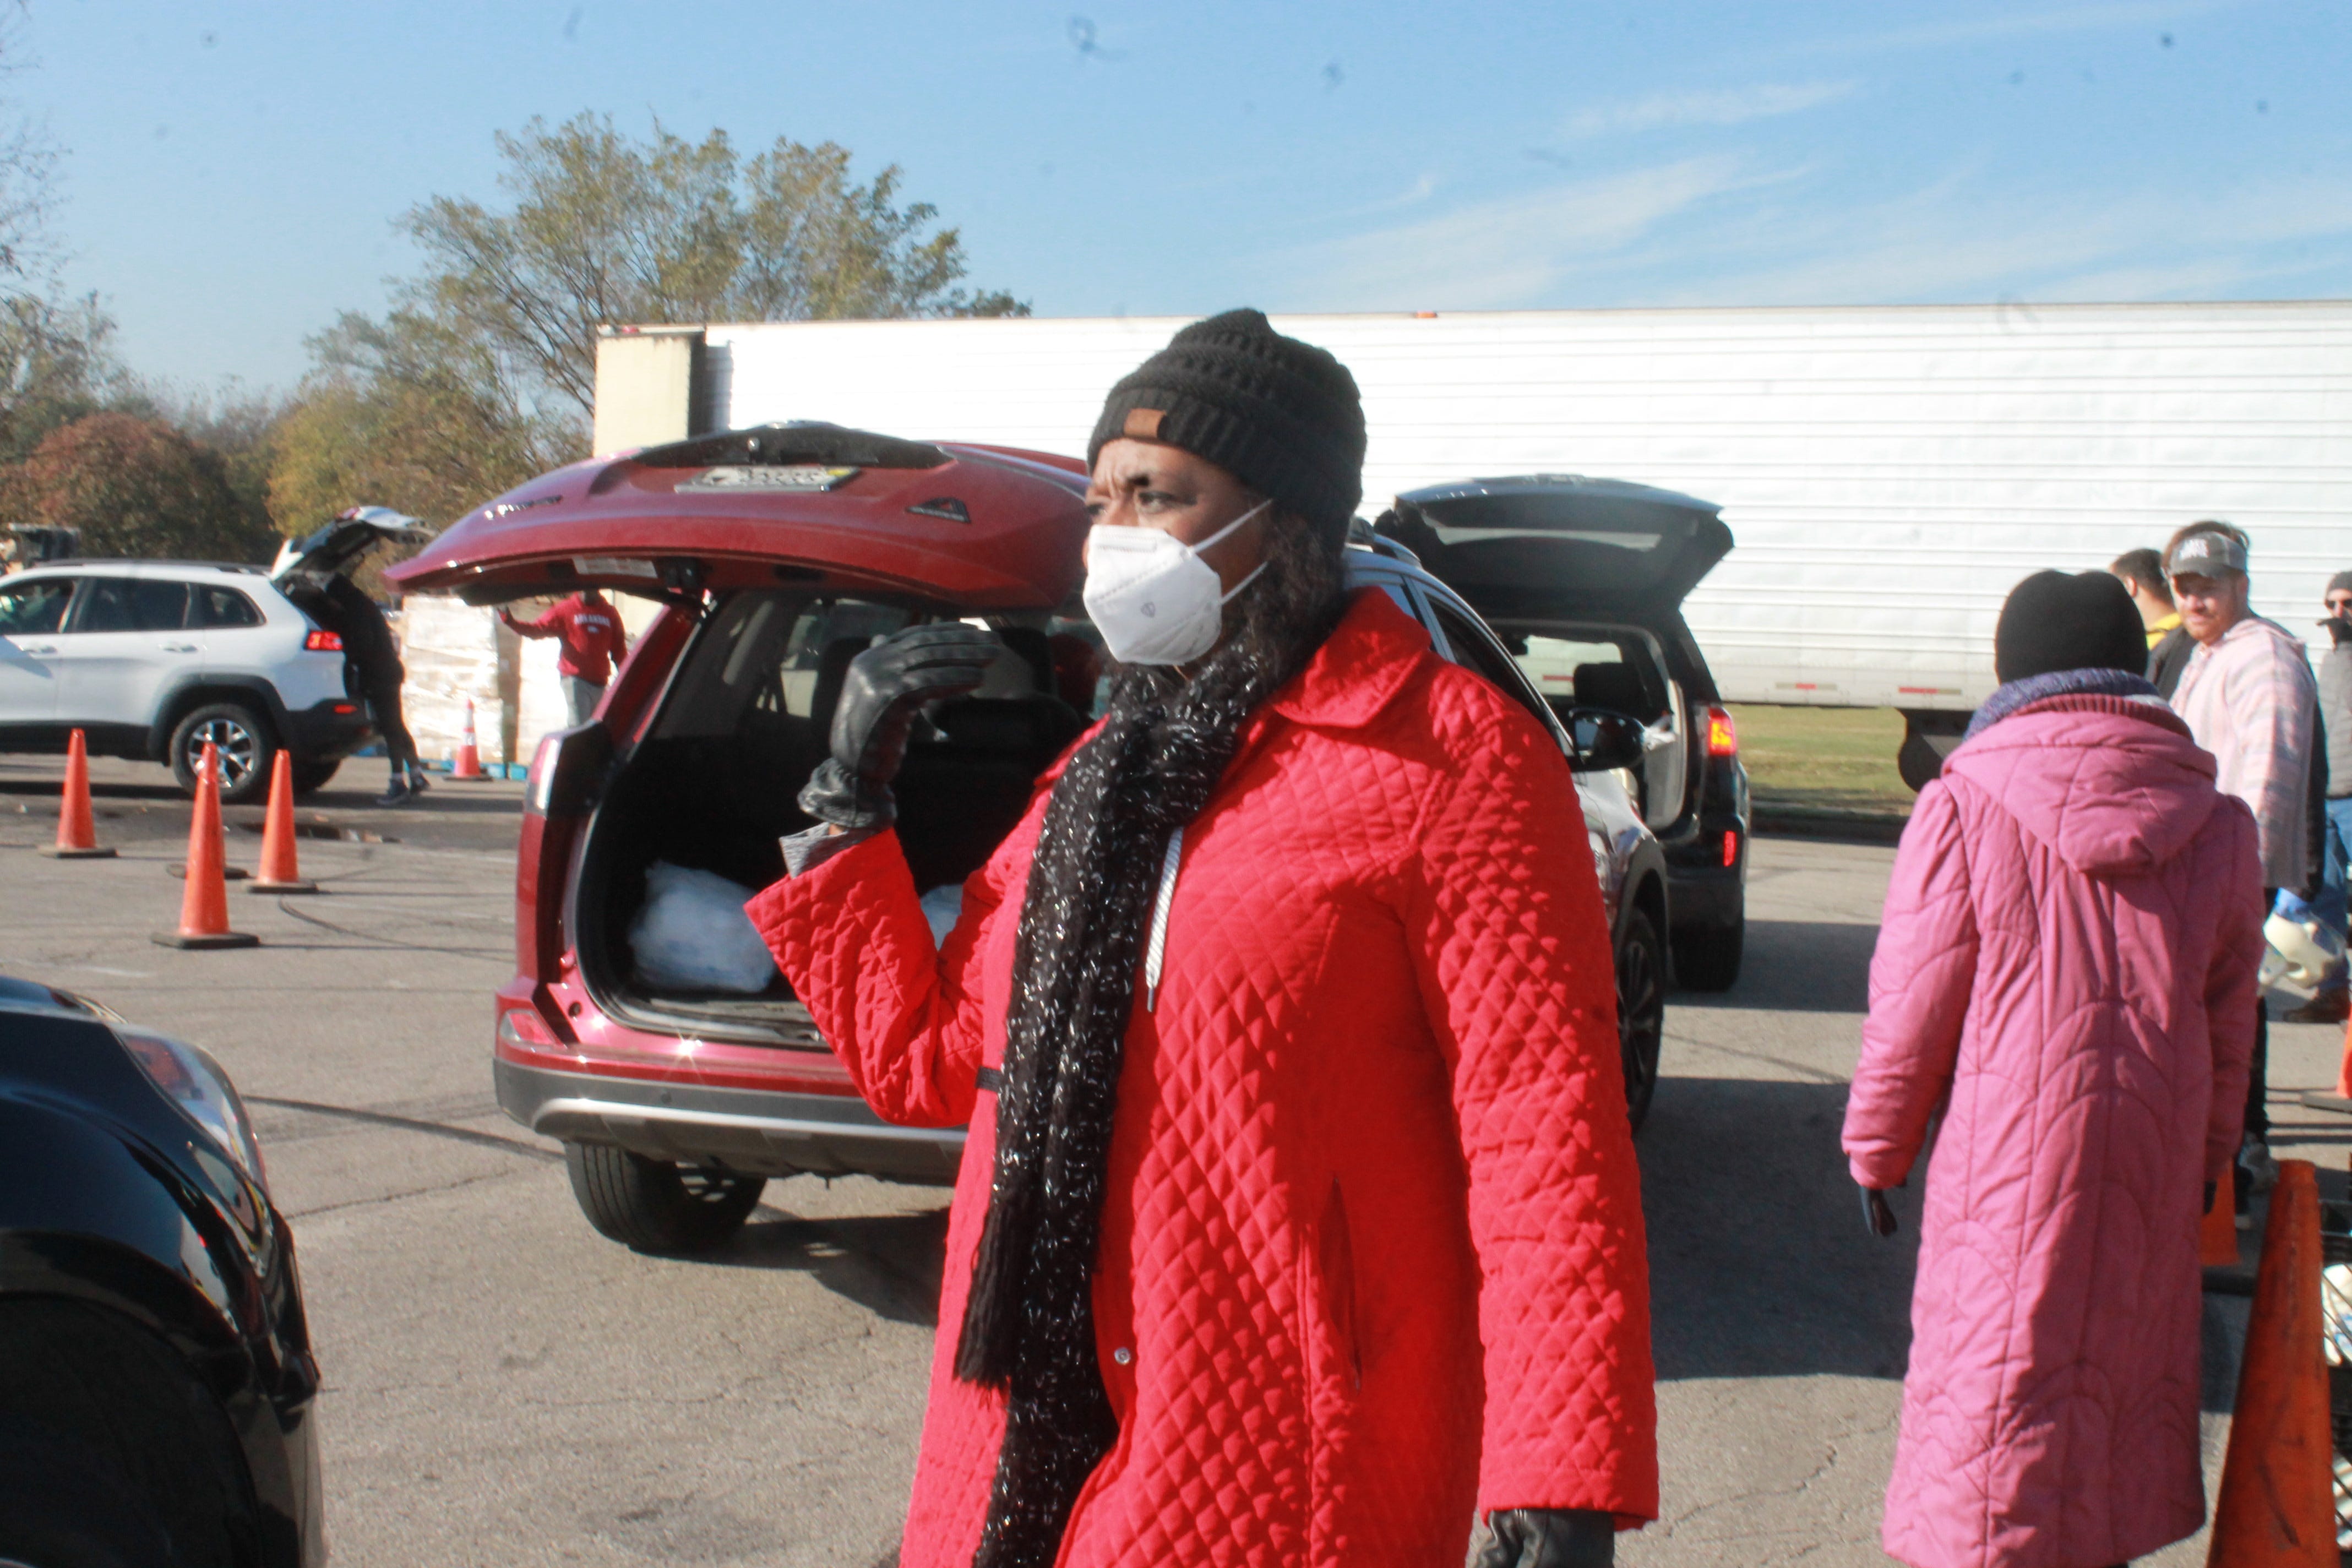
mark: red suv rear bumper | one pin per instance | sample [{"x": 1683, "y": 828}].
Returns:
[{"x": 763, "y": 1110}]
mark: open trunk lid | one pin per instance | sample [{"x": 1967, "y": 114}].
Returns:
[
  {"x": 981, "y": 527},
  {"x": 1546, "y": 545},
  {"x": 338, "y": 547}
]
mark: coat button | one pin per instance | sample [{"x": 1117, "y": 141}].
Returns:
[{"x": 1122, "y": 1355}]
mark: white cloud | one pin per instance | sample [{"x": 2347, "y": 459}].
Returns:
[
  {"x": 1508, "y": 251},
  {"x": 1731, "y": 106}
]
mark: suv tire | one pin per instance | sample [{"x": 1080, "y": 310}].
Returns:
[
  {"x": 1707, "y": 958},
  {"x": 63, "y": 1506},
  {"x": 653, "y": 1206},
  {"x": 312, "y": 777},
  {"x": 246, "y": 746},
  {"x": 1640, "y": 1010}
]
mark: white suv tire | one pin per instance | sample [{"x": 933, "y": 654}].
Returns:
[{"x": 246, "y": 743}]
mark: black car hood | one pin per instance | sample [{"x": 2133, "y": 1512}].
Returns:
[{"x": 1560, "y": 544}]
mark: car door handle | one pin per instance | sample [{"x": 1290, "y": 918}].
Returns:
[
  {"x": 40, "y": 651},
  {"x": 178, "y": 647}
]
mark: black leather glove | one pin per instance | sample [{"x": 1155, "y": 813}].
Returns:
[
  {"x": 1544, "y": 1538},
  {"x": 883, "y": 690},
  {"x": 1877, "y": 1213}
]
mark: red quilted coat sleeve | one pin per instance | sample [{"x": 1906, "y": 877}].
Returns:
[
  {"x": 1920, "y": 977},
  {"x": 1513, "y": 952},
  {"x": 904, "y": 1017}
]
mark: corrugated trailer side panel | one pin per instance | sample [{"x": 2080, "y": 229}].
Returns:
[{"x": 1888, "y": 472}]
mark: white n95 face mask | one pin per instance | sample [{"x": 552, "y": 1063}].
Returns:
[{"x": 1152, "y": 597}]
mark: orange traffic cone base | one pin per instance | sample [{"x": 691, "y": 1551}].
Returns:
[
  {"x": 257, "y": 886},
  {"x": 54, "y": 853},
  {"x": 207, "y": 941}
]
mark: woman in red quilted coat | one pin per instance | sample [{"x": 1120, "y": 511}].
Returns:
[
  {"x": 2067, "y": 972},
  {"x": 1299, "y": 1220}
]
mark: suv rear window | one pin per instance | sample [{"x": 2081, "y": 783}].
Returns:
[
  {"x": 130, "y": 604},
  {"x": 1591, "y": 672},
  {"x": 776, "y": 654},
  {"x": 215, "y": 606},
  {"x": 33, "y": 610}
]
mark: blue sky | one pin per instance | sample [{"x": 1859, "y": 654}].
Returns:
[{"x": 231, "y": 170}]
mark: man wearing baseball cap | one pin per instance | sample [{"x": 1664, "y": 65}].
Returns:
[{"x": 2248, "y": 697}]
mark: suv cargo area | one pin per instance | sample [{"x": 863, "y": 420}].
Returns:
[{"x": 712, "y": 786}]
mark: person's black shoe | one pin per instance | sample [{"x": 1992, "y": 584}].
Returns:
[
  {"x": 398, "y": 795},
  {"x": 2328, "y": 1007},
  {"x": 417, "y": 782}
]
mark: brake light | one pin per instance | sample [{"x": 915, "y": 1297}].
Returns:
[
  {"x": 345, "y": 709},
  {"x": 1731, "y": 849},
  {"x": 1722, "y": 736},
  {"x": 524, "y": 1026},
  {"x": 323, "y": 642}
]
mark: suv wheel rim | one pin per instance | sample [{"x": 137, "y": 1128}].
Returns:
[
  {"x": 1641, "y": 1016},
  {"x": 237, "y": 746}
]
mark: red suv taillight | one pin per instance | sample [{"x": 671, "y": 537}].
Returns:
[
  {"x": 323, "y": 642},
  {"x": 1722, "y": 734},
  {"x": 524, "y": 1026}
]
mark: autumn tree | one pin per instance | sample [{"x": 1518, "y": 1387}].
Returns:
[
  {"x": 408, "y": 414},
  {"x": 604, "y": 229},
  {"x": 483, "y": 373},
  {"x": 134, "y": 487}
]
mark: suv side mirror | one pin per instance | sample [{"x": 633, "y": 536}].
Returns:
[{"x": 1602, "y": 740}]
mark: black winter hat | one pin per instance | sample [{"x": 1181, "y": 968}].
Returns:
[
  {"x": 1281, "y": 416},
  {"x": 2053, "y": 621}
]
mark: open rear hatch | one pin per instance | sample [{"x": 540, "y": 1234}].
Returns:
[
  {"x": 808, "y": 504},
  {"x": 1560, "y": 546},
  {"x": 790, "y": 548}
]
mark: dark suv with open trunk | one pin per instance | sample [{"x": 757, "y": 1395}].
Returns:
[{"x": 780, "y": 553}]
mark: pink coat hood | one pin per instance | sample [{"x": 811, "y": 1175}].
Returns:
[{"x": 2112, "y": 790}]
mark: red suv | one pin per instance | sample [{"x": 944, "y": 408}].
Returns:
[{"x": 781, "y": 552}]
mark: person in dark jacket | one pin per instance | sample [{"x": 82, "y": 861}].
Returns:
[{"x": 371, "y": 660}]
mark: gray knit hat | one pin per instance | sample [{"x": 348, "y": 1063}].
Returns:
[{"x": 1281, "y": 416}]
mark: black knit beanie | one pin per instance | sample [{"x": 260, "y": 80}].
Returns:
[
  {"x": 1281, "y": 416},
  {"x": 2053, "y": 621}
]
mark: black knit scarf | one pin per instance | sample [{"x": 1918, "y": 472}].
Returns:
[{"x": 1028, "y": 1326}]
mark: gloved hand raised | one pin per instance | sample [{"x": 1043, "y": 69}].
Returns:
[
  {"x": 886, "y": 686},
  {"x": 1544, "y": 1538}
]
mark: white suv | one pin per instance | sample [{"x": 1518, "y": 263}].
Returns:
[{"x": 152, "y": 658}]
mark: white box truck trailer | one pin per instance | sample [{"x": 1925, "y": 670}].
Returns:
[{"x": 1888, "y": 472}]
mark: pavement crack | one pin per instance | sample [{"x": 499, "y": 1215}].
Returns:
[
  {"x": 412, "y": 1124},
  {"x": 383, "y": 1199},
  {"x": 327, "y": 925}
]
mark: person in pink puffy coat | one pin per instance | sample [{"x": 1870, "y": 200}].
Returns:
[{"x": 2066, "y": 977}]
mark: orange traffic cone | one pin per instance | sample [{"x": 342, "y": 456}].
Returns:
[
  {"x": 77, "y": 832},
  {"x": 204, "y": 906},
  {"x": 469, "y": 763},
  {"x": 2277, "y": 1505},
  {"x": 280, "y": 871},
  {"x": 2217, "y": 1237}
]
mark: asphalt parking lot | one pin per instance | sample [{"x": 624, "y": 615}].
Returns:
[{"x": 503, "y": 1387}]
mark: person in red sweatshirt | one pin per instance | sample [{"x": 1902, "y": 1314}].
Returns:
[{"x": 594, "y": 645}]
